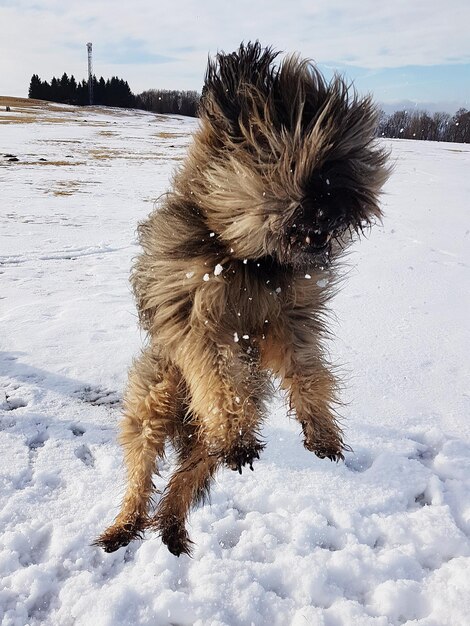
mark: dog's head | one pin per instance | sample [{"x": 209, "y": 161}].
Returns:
[{"x": 287, "y": 162}]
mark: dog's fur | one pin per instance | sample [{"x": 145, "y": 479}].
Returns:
[{"x": 237, "y": 267}]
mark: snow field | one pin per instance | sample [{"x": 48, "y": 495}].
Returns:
[{"x": 382, "y": 539}]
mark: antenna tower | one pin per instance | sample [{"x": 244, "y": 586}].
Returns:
[{"x": 90, "y": 74}]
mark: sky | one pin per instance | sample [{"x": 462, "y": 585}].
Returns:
[{"x": 415, "y": 52}]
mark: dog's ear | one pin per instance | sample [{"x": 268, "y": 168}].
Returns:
[{"x": 231, "y": 78}]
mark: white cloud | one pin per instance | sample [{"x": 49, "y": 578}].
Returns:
[{"x": 49, "y": 36}]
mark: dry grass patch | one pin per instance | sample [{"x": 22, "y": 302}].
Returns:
[
  {"x": 70, "y": 187},
  {"x": 104, "y": 154},
  {"x": 31, "y": 117},
  {"x": 53, "y": 163},
  {"x": 59, "y": 141},
  {"x": 66, "y": 187},
  {"x": 27, "y": 103},
  {"x": 18, "y": 119},
  {"x": 11, "y": 101},
  {"x": 168, "y": 135}
]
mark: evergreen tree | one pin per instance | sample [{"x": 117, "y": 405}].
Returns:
[
  {"x": 73, "y": 90},
  {"x": 64, "y": 88},
  {"x": 34, "y": 90},
  {"x": 82, "y": 92},
  {"x": 54, "y": 94},
  {"x": 45, "y": 90},
  {"x": 100, "y": 92}
]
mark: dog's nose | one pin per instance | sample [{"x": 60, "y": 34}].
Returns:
[
  {"x": 312, "y": 221},
  {"x": 323, "y": 218}
]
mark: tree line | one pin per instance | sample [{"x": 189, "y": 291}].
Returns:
[
  {"x": 168, "y": 101},
  {"x": 422, "y": 125},
  {"x": 113, "y": 92},
  {"x": 116, "y": 92}
]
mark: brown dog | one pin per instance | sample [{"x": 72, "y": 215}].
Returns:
[{"x": 236, "y": 269}]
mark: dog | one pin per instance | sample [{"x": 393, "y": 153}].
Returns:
[{"x": 236, "y": 270}]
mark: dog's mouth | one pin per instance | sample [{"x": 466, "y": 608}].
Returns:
[{"x": 310, "y": 241}]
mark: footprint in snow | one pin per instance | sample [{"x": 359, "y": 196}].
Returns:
[
  {"x": 11, "y": 404},
  {"x": 38, "y": 440},
  {"x": 360, "y": 461},
  {"x": 422, "y": 499},
  {"x": 98, "y": 396},
  {"x": 77, "y": 431},
  {"x": 85, "y": 455},
  {"x": 425, "y": 454},
  {"x": 7, "y": 423}
]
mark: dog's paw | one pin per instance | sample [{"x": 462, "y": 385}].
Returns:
[
  {"x": 242, "y": 454},
  {"x": 118, "y": 536},
  {"x": 325, "y": 445},
  {"x": 323, "y": 452},
  {"x": 176, "y": 538}
]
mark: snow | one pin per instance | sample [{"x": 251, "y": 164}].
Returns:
[{"x": 382, "y": 539}]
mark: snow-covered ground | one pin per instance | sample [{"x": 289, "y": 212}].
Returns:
[{"x": 382, "y": 539}]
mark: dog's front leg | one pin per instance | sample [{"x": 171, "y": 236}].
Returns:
[
  {"x": 226, "y": 396},
  {"x": 312, "y": 398},
  {"x": 293, "y": 352}
]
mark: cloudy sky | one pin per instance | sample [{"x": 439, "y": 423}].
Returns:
[{"x": 400, "y": 50}]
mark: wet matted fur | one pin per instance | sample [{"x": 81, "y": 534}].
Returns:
[{"x": 237, "y": 266}]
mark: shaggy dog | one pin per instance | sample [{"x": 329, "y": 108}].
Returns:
[{"x": 237, "y": 266}]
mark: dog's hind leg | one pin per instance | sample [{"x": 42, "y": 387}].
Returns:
[
  {"x": 187, "y": 487},
  {"x": 152, "y": 407},
  {"x": 222, "y": 436}
]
